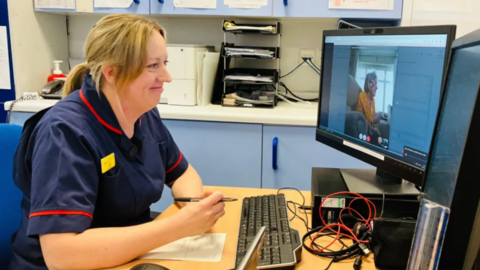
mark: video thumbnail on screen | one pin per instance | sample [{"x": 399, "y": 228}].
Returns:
[{"x": 370, "y": 93}]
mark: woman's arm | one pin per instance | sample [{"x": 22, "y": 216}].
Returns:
[
  {"x": 109, "y": 247},
  {"x": 188, "y": 185}
]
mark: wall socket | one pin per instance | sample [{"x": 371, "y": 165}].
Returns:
[{"x": 306, "y": 53}]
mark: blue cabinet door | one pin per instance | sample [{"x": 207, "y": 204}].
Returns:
[
  {"x": 297, "y": 153},
  {"x": 224, "y": 154},
  {"x": 317, "y": 8},
  {"x": 137, "y": 7},
  {"x": 167, "y": 7}
]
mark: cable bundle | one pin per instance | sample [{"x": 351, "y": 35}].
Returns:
[{"x": 337, "y": 231}]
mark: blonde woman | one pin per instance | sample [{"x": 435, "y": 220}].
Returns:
[{"x": 91, "y": 166}]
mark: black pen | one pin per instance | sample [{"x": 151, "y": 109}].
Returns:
[{"x": 199, "y": 199}]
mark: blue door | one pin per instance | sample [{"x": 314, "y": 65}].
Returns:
[
  {"x": 297, "y": 153},
  {"x": 6, "y": 94},
  {"x": 224, "y": 154},
  {"x": 317, "y": 8},
  {"x": 167, "y": 7}
]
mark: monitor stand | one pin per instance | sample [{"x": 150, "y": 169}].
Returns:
[{"x": 371, "y": 181}]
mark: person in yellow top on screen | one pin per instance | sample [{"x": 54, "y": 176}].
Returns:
[
  {"x": 366, "y": 105},
  {"x": 91, "y": 166}
]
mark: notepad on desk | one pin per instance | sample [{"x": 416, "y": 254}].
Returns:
[{"x": 206, "y": 248}]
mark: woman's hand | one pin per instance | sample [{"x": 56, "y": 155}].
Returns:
[{"x": 199, "y": 217}]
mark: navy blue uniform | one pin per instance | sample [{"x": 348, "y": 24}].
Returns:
[{"x": 68, "y": 189}]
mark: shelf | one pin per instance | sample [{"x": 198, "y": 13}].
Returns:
[
  {"x": 253, "y": 105},
  {"x": 275, "y": 50},
  {"x": 251, "y": 72},
  {"x": 276, "y": 27}
]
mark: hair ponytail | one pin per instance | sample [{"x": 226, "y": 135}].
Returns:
[{"x": 74, "y": 79}]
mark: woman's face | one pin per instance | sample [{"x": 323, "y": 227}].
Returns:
[
  {"x": 144, "y": 92},
  {"x": 372, "y": 85}
]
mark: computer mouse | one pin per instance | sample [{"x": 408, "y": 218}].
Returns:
[{"x": 148, "y": 266}]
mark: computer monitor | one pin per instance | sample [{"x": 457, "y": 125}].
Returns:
[
  {"x": 452, "y": 175},
  {"x": 380, "y": 93}
]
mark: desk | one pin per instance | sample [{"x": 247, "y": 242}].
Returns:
[{"x": 229, "y": 224}]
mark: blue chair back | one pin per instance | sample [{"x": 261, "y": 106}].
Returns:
[{"x": 10, "y": 196}]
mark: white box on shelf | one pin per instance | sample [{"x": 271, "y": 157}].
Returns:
[{"x": 183, "y": 68}]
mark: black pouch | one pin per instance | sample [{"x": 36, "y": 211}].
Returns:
[{"x": 391, "y": 242}]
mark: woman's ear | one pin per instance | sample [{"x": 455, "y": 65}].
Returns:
[{"x": 109, "y": 73}]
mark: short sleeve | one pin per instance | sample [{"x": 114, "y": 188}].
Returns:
[
  {"x": 176, "y": 162},
  {"x": 64, "y": 181}
]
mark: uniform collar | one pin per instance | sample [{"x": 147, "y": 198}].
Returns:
[{"x": 98, "y": 104}]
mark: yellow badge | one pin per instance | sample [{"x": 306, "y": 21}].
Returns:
[{"x": 108, "y": 162}]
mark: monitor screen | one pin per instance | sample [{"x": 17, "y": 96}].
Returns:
[{"x": 380, "y": 93}]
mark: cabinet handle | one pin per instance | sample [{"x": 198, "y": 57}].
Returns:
[
  {"x": 274, "y": 153},
  {"x": 161, "y": 1},
  {"x": 136, "y": 1},
  {"x": 285, "y": 2}
]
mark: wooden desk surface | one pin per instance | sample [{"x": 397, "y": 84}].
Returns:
[{"x": 229, "y": 224}]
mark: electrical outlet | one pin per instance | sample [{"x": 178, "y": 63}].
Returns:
[{"x": 306, "y": 53}]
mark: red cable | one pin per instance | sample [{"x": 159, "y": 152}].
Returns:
[{"x": 340, "y": 224}]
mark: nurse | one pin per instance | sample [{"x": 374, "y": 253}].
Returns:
[{"x": 91, "y": 166}]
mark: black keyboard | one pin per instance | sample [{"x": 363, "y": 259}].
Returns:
[{"x": 282, "y": 245}]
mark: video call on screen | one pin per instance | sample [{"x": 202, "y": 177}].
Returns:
[{"x": 383, "y": 92}]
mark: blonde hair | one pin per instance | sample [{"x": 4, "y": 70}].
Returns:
[{"x": 119, "y": 40}]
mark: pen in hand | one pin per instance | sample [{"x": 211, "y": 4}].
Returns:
[{"x": 188, "y": 199}]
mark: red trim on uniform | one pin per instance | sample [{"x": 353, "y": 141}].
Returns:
[
  {"x": 60, "y": 212},
  {"x": 176, "y": 164},
  {"x": 140, "y": 123},
  {"x": 96, "y": 115}
]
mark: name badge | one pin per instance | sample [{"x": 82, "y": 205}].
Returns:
[{"x": 108, "y": 162}]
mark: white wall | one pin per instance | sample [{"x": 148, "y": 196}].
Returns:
[
  {"x": 36, "y": 39},
  {"x": 296, "y": 34},
  {"x": 464, "y": 13}
]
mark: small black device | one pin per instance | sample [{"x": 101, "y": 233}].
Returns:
[
  {"x": 391, "y": 241},
  {"x": 148, "y": 266},
  {"x": 282, "y": 245},
  {"x": 53, "y": 90}
]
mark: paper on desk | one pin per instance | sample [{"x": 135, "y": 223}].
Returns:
[
  {"x": 210, "y": 4},
  {"x": 4, "y": 60},
  {"x": 85, "y": 6},
  {"x": 112, "y": 3},
  {"x": 206, "y": 248},
  {"x": 361, "y": 4}
]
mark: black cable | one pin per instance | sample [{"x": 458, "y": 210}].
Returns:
[
  {"x": 313, "y": 67},
  {"x": 343, "y": 254},
  {"x": 330, "y": 264},
  {"x": 288, "y": 91},
  {"x": 317, "y": 68}
]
